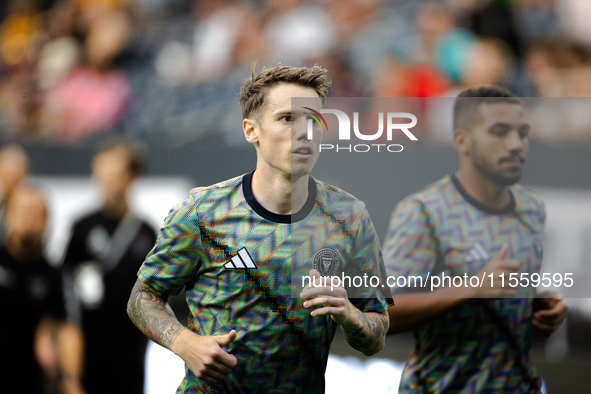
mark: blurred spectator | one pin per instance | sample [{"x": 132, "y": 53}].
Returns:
[
  {"x": 296, "y": 31},
  {"x": 20, "y": 33},
  {"x": 14, "y": 167},
  {"x": 487, "y": 63},
  {"x": 62, "y": 52},
  {"x": 226, "y": 34},
  {"x": 102, "y": 258},
  {"x": 435, "y": 53},
  {"x": 93, "y": 97},
  {"x": 344, "y": 82},
  {"x": 365, "y": 31},
  {"x": 538, "y": 20},
  {"x": 559, "y": 69},
  {"x": 31, "y": 299},
  {"x": 67, "y": 71},
  {"x": 497, "y": 19},
  {"x": 575, "y": 19}
]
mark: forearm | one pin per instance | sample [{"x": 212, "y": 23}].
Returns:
[
  {"x": 150, "y": 312},
  {"x": 70, "y": 344},
  {"x": 367, "y": 333},
  {"x": 409, "y": 313}
]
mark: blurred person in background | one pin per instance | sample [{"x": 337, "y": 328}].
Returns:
[
  {"x": 62, "y": 51},
  {"x": 21, "y": 34},
  {"x": 226, "y": 33},
  {"x": 486, "y": 62},
  {"x": 498, "y": 19},
  {"x": 92, "y": 97},
  {"x": 41, "y": 351},
  {"x": 296, "y": 31},
  {"x": 477, "y": 221},
  {"x": 104, "y": 253},
  {"x": 14, "y": 168},
  {"x": 433, "y": 55}
]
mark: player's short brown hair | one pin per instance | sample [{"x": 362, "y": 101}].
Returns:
[
  {"x": 467, "y": 102},
  {"x": 253, "y": 91}
]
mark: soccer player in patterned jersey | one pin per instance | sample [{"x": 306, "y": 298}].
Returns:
[
  {"x": 479, "y": 220},
  {"x": 237, "y": 245}
]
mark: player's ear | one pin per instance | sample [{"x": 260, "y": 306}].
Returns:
[
  {"x": 251, "y": 127},
  {"x": 462, "y": 141}
]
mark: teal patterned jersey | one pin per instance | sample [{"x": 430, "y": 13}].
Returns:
[
  {"x": 484, "y": 345},
  {"x": 241, "y": 265}
]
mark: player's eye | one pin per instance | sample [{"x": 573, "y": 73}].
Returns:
[
  {"x": 286, "y": 118},
  {"x": 499, "y": 131},
  {"x": 524, "y": 131}
]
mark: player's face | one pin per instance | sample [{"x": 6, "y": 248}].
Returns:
[
  {"x": 500, "y": 142},
  {"x": 111, "y": 171},
  {"x": 26, "y": 216},
  {"x": 281, "y": 136}
]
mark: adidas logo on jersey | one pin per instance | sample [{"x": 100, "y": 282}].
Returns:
[
  {"x": 241, "y": 261},
  {"x": 477, "y": 253}
]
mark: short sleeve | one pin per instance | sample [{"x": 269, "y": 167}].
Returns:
[
  {"x": 366, "y": 262},
  {"x": 411, "y": 245},
  {"x": 177, "y": 254}
]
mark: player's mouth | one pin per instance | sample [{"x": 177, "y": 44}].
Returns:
[
  {"x": 513, "y": 161},
  {"x": 303, "y": 152}
]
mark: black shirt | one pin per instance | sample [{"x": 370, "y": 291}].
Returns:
[
  {"x": 115, "y": 348},
  {"x": 28, "y": 292}
]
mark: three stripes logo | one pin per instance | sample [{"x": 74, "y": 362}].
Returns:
[
  {"x": 477, "y": 253},
  {"x": 241, "y": 261}
]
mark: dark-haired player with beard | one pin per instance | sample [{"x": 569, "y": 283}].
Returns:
[{"x": 477, "y": 221}]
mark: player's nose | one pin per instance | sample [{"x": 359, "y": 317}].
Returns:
[
  {"x": 514, "y": 142},
  {"x": 299, "y": 129}
]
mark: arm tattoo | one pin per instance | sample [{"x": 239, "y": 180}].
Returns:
[
  {"x": 368, "y": 334},
  {"x": 148, "y": 309}
]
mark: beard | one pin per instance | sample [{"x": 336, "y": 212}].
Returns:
[{"x": 496, "y": 173}]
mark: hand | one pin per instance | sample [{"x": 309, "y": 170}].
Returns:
[
  {"x": 549, "y": 313},
  {"x": 205, "y": 355},
  {"x": 71, "y": 385},
  {"x": 333, "y": 302},
  {"x": 497, "y": 266}
]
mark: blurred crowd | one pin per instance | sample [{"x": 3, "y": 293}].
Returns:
[
  {"x": 72, "y": 71},
  {"x": 60, "y": 316}
]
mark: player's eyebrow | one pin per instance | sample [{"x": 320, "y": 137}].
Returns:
[{"x": 504, "y": 125}]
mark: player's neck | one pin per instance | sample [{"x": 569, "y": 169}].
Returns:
[
  {"x": 24, "y": 251},
  {"x": 482, "y": 189},
  {"x": 279, "y": 194},
  {"x": 115, "y": 208}
]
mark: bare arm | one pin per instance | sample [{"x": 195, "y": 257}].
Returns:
[
  {"x": 414, "y": 309},
  {"x": 70, "y": 345},
  {"x": 148, "y": 309},
  {"x": 367, "y": 333},
  {"x": 364, "y": 331},
  {"x": 410, "y": 313},
  {"x": 549, "y": 313}
]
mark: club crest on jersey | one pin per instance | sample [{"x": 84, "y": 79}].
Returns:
[
  {"x": 326, "y": 261},
  {"x": 242, "y": 260}
]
